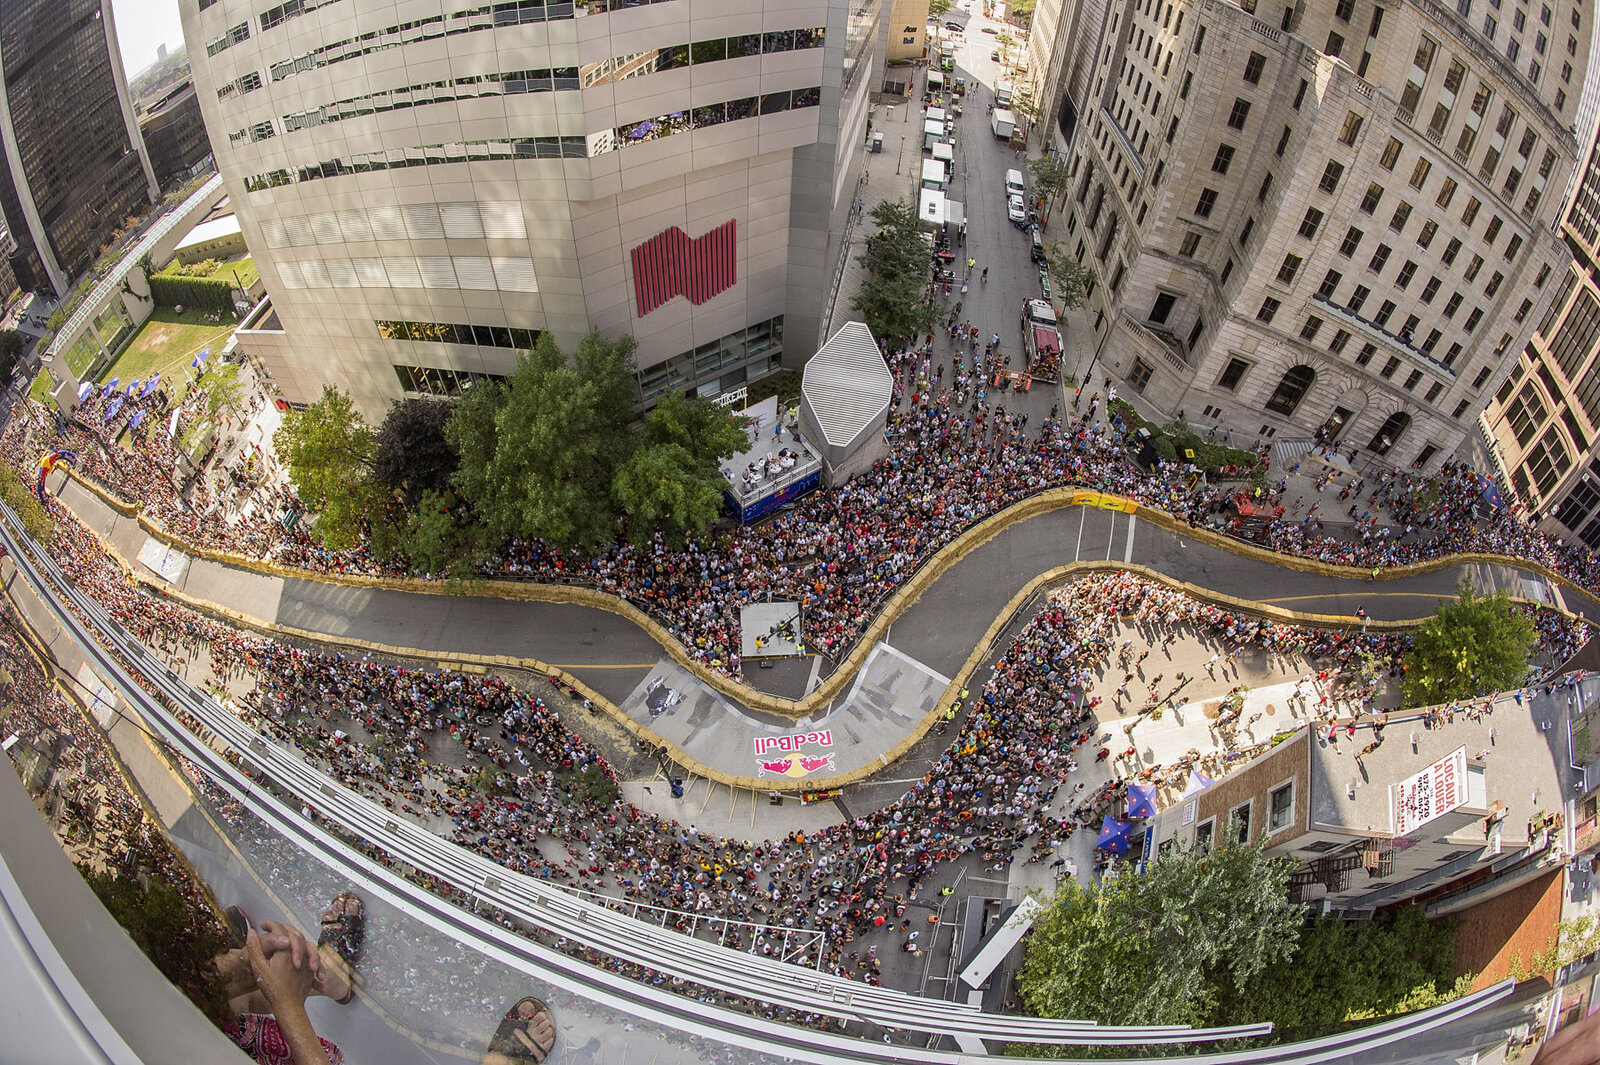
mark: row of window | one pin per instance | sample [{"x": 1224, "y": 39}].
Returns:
[
  {"x": 595, "y": 144},
  {"x": 484, "y": 336},
  {"x": 448, "y": 24},
  {"x": 677, "y": 56},
  {"x": 713, "y": 366},
  {"x": 440, "y": 380},
  {"x": 485, "y": 273},
  {"x": 495, "y": 219}
]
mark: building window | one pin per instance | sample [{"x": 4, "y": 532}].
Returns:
[
  {"x": 1413, "y": 380},
  {"x": 1286, "y": 272},
  {"x": 1162, "y": 308},
  {"x": 440, "y": 381},
  {"x": 1140, "y": 375},
  {"x": 1202, "y": 836},
  {"x": 1351, "y": 128},
  {"x": 1407, "y": 271},
  {"x": 1430, "y": 229},
  {"x": 1369, "y": 202},
  {"x": 1379, "y": 258},
  {"x": 1391, "y": 154},
  {"x": 1280, "y": 807},
  {"x": 1239, "y": 824},
  {"x": 1194, "y": 334},
  {"x": 1207, "y": 201},
  {"x": 1191, "y": 244},
  {"x": 488, "y": 336},
  {"x": 1419, "y": 172},
  {"x": 1470, "y": 214},
  {"x": 1340, "y": 339},
  {"x": 1358, "y": 298},
  {"x": 1283, "y": 141},
  {"x": 1433, "y": 391},
  {"x": 1227, "y": 271},
  {"x": 1390, "y": 367},
  {"x": 1366, "y": 354},
  {"x": 1389, "y": 432},
  {"x": 1241, "y": 111},
  {"x": 1292, "y": 388},
  {"x": 1402, "y": 215},
  {"x": 1312, "y": 326},
  {"x": 1461, "y": 408},
  {"x": 1269, "y": 308},
  {"x": 1232, "y": 374},
  {"x": 1451, "y": 250},
  {"x": 1431, "y": 289},
  {"x": 1352, "y": 240},
  {"x": 1309, "y": 224},
  {"x": 1253, "y": 68},
  {"x": 1385, "y": 312},
  {"x": 1330, "y": 283},
  {"x": 1330, "y": 176},
  {"x": 1223, "y": 159},
  {"x": 1245, "y": 231}
]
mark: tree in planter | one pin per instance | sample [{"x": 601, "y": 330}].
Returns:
[
  {"x": 939, "y": 8},
  {"x": 1476, "y": 645},
  {"x": 328, "y": 452},
  {"x": 1159, "y": 947},
  {"x": 1070, "y": 280},
  {"x": 897, "y": 259}
]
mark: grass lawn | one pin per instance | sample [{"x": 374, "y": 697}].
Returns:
[
  {"x": 167, "y": 343},
  {"x": 241, "y": 272}
]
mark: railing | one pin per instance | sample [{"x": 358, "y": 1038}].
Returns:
[
  {"x": 112, "y": 281},
  {"x": 1153, "y": 340},
  {"x": 532, "y": 902},
  {"x": 1375, "y": 330}
]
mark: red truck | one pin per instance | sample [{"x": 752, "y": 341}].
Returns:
[{"x": 1041, "y": 340}]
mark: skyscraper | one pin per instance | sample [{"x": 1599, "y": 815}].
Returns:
[
  {"x": 1331, "y": 216},
  {"x": 426, "y": 195},
  {"x": 73, "y": 167}
]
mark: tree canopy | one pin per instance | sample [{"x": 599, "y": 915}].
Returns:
[
  {"x": 897, "y": 261},
  {"x": 1476, "y": 645},
  {"x": 1159, "y": 947},
  {"x": 224, "y": 391},
  {"x": 411, "y": 454},
  {"x": 557, "y": 435},
  {"x": 328, "y": 451},
  {"x": 1070, "y": 280}
]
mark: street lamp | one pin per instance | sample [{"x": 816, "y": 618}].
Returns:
[{"x": 902, "y": 158}]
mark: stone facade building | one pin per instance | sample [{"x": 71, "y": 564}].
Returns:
[
  {"x": 428, "y": 187},
  {"x": 1333, "y": 216}
]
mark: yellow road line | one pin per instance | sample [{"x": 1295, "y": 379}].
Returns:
[
  {"x": 1369, "y": 595},
  {"x": 625, "y": 665}
]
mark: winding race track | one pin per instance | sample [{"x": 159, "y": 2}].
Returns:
[{"x": 875, "y": 708}]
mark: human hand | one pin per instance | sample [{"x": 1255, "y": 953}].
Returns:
[
  {"x": 289, "y": 972},
  {"x": 1576, "y": 1044}
]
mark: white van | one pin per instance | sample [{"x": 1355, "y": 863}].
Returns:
[{"x": 1014, "y": 183}]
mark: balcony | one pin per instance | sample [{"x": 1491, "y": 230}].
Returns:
[
  {"x": 1377, "y": 332},
  {"x": 1160, "y": 344}
]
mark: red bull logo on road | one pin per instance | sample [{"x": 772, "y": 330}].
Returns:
[
  {"x": 794, "y": 741},
  {"x": 795, "y": 768}
]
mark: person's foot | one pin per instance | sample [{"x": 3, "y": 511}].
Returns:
[
  {"x": 344, "y": 932},
  {"x": 527, "y": 1033}
]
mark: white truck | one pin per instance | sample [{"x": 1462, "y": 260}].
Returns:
[
  {"x": 1002, "y": 95},
  {"x": 1041, "y": 340},
  {"x": 1002, "y": 122}
]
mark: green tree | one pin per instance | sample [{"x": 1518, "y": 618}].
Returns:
[
  {"x": 328, "y": 452},
  {"x": 411, "y": 455},
  {"x": 1158, "y": 947},
  {"x": 1342, "y": 969},
  {"x": 939, "y": 8},
  {"x": 542, "y": 465},
  {"x": 662, "y": 486},
  {"x": 896, "y": 259},
  {"x": 1476, "y": 645},
  {"x": 440, "y": 538},
  {"x": 1052, "y": 179},
  {"x": 1069, "y": 279},
  {"x": 710, "y": 433},
  {"x": 224, "y": 391},
  {"x": 11, "y": 345},
  {"x": 1021, "y": 10},
  {"x": 161, "y": 924}
]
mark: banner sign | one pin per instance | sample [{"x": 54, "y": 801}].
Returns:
[
  {"x": 1430, "y": 794},
  {"x": 794, "y": 741}
]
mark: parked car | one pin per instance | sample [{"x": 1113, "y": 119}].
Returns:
[
  {"x": 1015, "y": 211},
  {"x": 954, "y": 27}
]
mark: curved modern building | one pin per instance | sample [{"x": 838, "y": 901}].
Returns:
[{"x": 429, "y": 185}]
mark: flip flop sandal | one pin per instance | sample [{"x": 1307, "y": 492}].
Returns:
[
  {"x": 511, "y": 1040},
  {"x": 238, "y": 926},
  {"x": 345, "y": 932}
]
